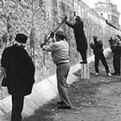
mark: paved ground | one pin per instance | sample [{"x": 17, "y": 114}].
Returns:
[{"x": 96, "y": 99}]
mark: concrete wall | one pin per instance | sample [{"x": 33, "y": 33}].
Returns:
[{"x": 44, "y": 16}]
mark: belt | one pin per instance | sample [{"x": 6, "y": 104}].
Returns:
[{"x": 61, "y": 63}]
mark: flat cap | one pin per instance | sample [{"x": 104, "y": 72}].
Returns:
[{"x": 21, "y": 38}]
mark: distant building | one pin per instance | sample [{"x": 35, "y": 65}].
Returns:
[{"x": 109, "y": 11}]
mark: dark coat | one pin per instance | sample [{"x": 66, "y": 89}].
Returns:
[
  {"x": 116, "y": 49},
  {"x": 97, "y": 48},
  {"x": 79, "y": 34},
  {"x": 19, "y": 69}
]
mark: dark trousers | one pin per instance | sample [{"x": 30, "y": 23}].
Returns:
[
  {"x": 83, "y": 54},
  {"x": 103, "y": 60},
  {"x": 116, "y": 64},
  {"x": 17, "y": 107}
]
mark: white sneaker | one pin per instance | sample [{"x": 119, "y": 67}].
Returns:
[
  {"x": 96, "y": 74},
  {"x": 109, "y": 74}
]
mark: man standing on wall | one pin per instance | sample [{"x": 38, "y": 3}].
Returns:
[
  {"x": 60, "y": 54},
  {"x": 81, "y": 40},
  {"x": 19, "y": 71}
]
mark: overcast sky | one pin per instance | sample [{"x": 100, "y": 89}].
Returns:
[{"x": 117, "y": 2}]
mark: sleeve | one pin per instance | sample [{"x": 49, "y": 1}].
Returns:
[
  {"x": 4, "y": 59},
  {"x": 69, "y": 24},
  {"x": 4, "y": 66},
  {"x": 51, "y": 47}
]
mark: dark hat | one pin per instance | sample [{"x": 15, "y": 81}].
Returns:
[{"x": 21, "y": 38}]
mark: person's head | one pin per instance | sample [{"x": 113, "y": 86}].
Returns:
[
  {"x": 99, "y": 41},
  {"x": 21, "y": 38},
  {"x": 91, "y": 44},
  {"x": 59, "y": 35},
  {"x": 94, "y": 37},
  {"x": 111, "y": 40},
  {"x": 113, "y": 36},
  {"x": 119, "y": 37},
  {"x": 78, "y": 19}
]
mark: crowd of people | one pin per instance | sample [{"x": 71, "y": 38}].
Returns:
[
  {"x": 115, "y": 45},
  {"x": 19, "y": 68}
]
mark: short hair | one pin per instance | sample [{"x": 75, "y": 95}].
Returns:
[
  {"x": 60, "y": 34},
  {"x": 78, "y": 19}
]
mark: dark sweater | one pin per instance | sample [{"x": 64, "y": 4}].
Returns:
[{"x": 79, "y": 34}]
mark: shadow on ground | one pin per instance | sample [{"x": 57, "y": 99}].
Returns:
[
  {"x": 98, "y": 94},
  {"x": 44, "y": 113}
]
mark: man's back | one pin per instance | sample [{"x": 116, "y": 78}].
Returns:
[
  {"x": 97, "y": 47},
  {"x": 19, "y": 70},
  {"x": 60, "y": 52}
]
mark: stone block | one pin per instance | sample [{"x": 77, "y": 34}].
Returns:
[{"x": 85, "y": 74}]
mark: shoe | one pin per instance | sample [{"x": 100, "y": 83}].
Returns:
[
  {"x": 115, "y": 73},
  {"x": 60, "y": 103},
  {"x": 83, "y": 62},
  {"x": 109, "y": 74},
  {"x": 96, "y": 74}
]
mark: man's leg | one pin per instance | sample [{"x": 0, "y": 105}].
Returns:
[
  {"x": 105, "y": 63},
  {"x": 62, "y": 73},
  {"x": 116, "y": 63},
  {"x": 96, "y": 64},
  {"x": 83, "y": 54},
  {"x": 17, "y": 106}
]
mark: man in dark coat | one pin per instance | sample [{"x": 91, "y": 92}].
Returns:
[
  {"x": 97, "y": 47},
  {"x": 19, "y": 70},
  {"x": 80, "y": 37},
  {"x": 116, "y": 50}
]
